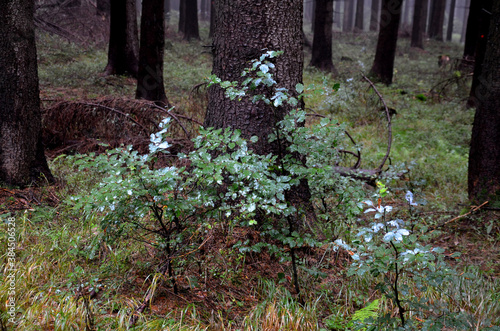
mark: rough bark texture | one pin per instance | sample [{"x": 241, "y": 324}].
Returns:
[
  {"x": 123, "y": 51},
  {"x": 360, "y": 16},
  {"x": 482, "y": 40},
  {"x": 322, "y": 42},
  {"x": 244, "y": 29},
  {"x": 419, "y": 20},
  {"x": 484, "y": 156},
  {"x": 374, "y": 15},
  {"x": 150, "y": 76},
  {"x": 383, "y": 66},
  {"x": 451, "y": 17},
  {"x": 191, "y": 30},
  {"x": 437, "y": 19},
  {"x": 22, "y": 159},
  {"x": 103, "y": 7}
]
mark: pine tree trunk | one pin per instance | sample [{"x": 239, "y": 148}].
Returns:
[
  {"x": 451, "y": 17},
  {"x": 437, "y": 19},
  {"x": 360, "y": 17},
  {"x": 22, "y": 158},
  {"x": 244, "y": 29},
  {"x": 191, "y": 30},
  {"x": 123, "y": 50},
  {"x": 322, "y": 42},
  {"x": 484, "y": 156},
  {"x": 150, "y": 75},
  {"x": 383, "y": 66},
  {"x": 419, "y": 20}
]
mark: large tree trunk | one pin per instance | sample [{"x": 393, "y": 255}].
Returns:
[
  {"x": 244, "y": 29},
  {"x": 419, "y": 20},
  {"x": 322, "y": 42},
  {"x": 383, "y": 66},
  {"x": 437, "y": 19},
  {"x": 484, "y": 156},
  {"x": 374, "y": 15},
  {"x": 22, "y": 159},
  {"x": 484, "y": 26},
  {"x": 451, "y": 17},
  {"x": 191, "y": 30},
  {"x": 123, "y": 51},
  {"x": 150, "y": 76},
  {"x": 360, "y": 17}
]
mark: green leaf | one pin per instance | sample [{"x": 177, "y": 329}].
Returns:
[{"x": 299, "y": 87}]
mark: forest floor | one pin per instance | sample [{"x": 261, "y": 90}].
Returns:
[{"x": 224, "y": 289}]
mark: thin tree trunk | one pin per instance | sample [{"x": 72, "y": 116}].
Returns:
[
  {"x": 322, "y": 42},
  {"x": 437, "y": 19},
  {"x": 191, "y": 30},
  {"x": 359, "y": 22},
  {"x": 419, "y": 20},
  {"x": 150, "y": 76},
  {"x": 375, "y": 10},
  {"x": 337, "y": 17},
  {"x": 464, "y": 21},
  {"x": 383, "y": 66},
  {"x": 182, "y": 16},
  {"x": 451, "y": 17}
]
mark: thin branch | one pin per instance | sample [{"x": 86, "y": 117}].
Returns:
[{"x": 389, "y": 126}]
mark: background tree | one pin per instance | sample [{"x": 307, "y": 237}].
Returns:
[
  {"x": 188, "y": 19},
  {"x": 383, "y": 65},
  {"x": 375, "y": 10},
  {"x": 484, "y": 156},
  {"x": 437, "y": 19},
  {"x": 322, "y": 42},
  {"x": 243, "y": 29},
  {"x": 451, "y": 18},
  {"x": 150, "y": 74},
  {"x": 360, "y": 17},
  {"x": 123, "y": 51},
  {"x": 22, "y": 158},
  {"x": 348, "y": 15},
  {"x": 419, "y": 22}
]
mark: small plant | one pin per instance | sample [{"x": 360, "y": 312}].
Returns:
[{"x": 389, "y": 250}]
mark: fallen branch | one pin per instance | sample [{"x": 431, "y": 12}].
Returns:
[{"x": 473, "y": 209}]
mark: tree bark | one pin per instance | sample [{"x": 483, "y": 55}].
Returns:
[
  {"x": 484, "y": 156},
  {"x": 150, "y": 75},
  {"x": 22, "y": 158},
  {"x": 103, "y": 7},
  {"x": 464, "y": 21},
  {"x": 437, "y": 20},
  {"x": 243, "y": 30},
  {"x": 419, "y": 20},
  {"x": 451, "y": 17},
  {"x": 123, "y": 50},
  {"x": 348, "y": 16},
  {"x": 383, "y": 66},
  {"x": 360, "y": 17},
  {"x": 182, "y": 16},
  {"x": 474, "y": 22},
  {"x": 191, "y": 30},
  {"x": 322, "y": 42},
  {"x": 374, "y": 15},
  {"x": 479, "y": 54},
  {"x": 212, "y": 19}
]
